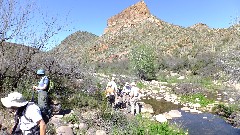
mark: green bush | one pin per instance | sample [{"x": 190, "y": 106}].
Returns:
[
  {"x": 223, "y": 110},
  {"x": 202, "y": 100},
  {"x": 143, "y": 62},
  {"x": 144, "y": 126}
]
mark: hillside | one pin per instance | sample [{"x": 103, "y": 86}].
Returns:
[{"x": 136, "y": 25}]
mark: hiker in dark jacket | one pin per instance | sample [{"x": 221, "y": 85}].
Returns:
[{"x": 28, "y": 118}]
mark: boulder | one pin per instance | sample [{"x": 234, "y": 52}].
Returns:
[
  {"x": 147, "y": 108},
  {"x": 175, "y": 113},
  {"x": 161, "y": 118},
  {"x": 82, "y": 126},
  {"x": 64, "y": 130},
  {"x": 100, "y": 132}
]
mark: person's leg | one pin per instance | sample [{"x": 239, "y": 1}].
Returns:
[
  {"x": 42, "y": 99},
  {"x": 137, "y": 107},
  {"x": 132, "y": 101}
]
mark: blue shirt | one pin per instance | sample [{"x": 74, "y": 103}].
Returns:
[{"x": 44, "y": 80}]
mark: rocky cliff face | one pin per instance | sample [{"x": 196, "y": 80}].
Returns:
[{"x": 128, "y": 17}]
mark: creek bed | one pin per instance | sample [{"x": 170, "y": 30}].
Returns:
[{"x": 196, "y": 124}]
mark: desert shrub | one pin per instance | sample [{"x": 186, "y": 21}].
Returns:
[
  {"x": 143, "y": 62},
  {"x": 173, "y": 63},
  {"x": 72, "y": 118},
  {"x": 116, "y": 67},
  {"x": 188, "y": 88},
  {"x": 223, "y": 110},
  {"x": 197, "y": 98},
  {"x": 144, "y": 126},
  {"x": 200, "y": 61}
]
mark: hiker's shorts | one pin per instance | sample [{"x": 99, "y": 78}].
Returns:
[{"x": 42, "y": 99}]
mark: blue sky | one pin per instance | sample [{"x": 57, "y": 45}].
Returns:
[{"x": 92, "y": 15}]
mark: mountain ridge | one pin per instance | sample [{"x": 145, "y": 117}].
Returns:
[{"x": 136, "y": 25}]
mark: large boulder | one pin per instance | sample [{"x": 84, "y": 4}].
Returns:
[
  {"x": 161, "y": 118},
  {"x": 147, "y": 108},
  {"x": 64, "y": 130}
]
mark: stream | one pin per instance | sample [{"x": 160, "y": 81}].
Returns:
[{"x": 196, "y": 124}]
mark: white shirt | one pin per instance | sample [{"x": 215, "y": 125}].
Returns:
[
  {"x": 33, "y": 113},
  {"x": 114, "y": 85},
  {"x": 134, "y": 91}
]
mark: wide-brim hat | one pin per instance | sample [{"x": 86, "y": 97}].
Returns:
[
  {"x": 14, "y": 99},
  {"x": 109, "y": 84}
]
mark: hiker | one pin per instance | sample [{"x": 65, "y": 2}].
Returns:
[
  {"x": 134, "y": 97},
  {"x": 28, "y": 118},
  {"x": 126, "y": 92},
  {"x": 43, "y": 99},
  {"x": 42, "y": 89},
  {"x": 110, "y": 94},
  {"x": 113, "y": 84}
]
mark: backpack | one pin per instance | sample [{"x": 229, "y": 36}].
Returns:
[{"x": 16, "y": 129}]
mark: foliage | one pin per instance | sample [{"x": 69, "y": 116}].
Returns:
[
  {"x": 143, "y": 62},
  {"x": 141, "y": 85},
  {"x": 223, "y": 110},
  {"x": 144, "y": 126},
  {"x": 72, "y": 118},
  {"x": 197, "y": 98}
]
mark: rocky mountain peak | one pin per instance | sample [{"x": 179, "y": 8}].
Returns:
[{"x": 128, "y": 17}]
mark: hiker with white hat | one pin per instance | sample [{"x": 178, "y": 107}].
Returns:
[
  {"x": 134, "y": 97},
  {"x": 113, "y": 84},
  {"x": 28, "y": 118}
]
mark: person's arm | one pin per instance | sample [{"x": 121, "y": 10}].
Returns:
[
  {"x": 43, "y": 127},
  {"x": 40, "y": 88}
]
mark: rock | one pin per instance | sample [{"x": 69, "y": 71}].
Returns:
[
  {"x": 82, "y": 126},
  {"x": 167, "y": 116},
  {"x": 75, "y": 125},
  {"x": 196, "y": 105},
  {"x": 225, "y": 93},
  {"x": 56, "y": 120},
  {"x": 231, "y": 99},
  {"x": 175, "y": 113},
  {"x": 147, "y": 108},
  {"x": 186, "y": 109},
  {"x": 91, "y": 131},
  {"x": 181, "y": 78},
  {"x": 155, "y": 91},
  {"x": 161, "y": 118},
  {"x": 204, "y": 117},
  {"x": 146, "y": 115},
  {"x": 162, "y": 91},
  {"x": 159, "y": 98},
  {"x": 193, "y": 111},
  {"x": 100, "y": 132},
  {"x": 64, "y": 130}
]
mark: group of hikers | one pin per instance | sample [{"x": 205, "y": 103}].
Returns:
[
  {"x": 123, "y": 98},
  {"x": 30, "y": 118}
]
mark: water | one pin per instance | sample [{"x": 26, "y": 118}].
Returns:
[
  {"x": 211, "y": 125},
  {"x": 194, "y": 123}
]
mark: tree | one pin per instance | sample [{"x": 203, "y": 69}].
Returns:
[
  {"x": 143, "y": 62},
  {"x": 24, "y": 32}
]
